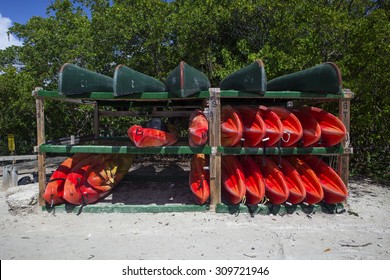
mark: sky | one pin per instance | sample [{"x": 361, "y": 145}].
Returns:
[{"x": 19, "y": 11}]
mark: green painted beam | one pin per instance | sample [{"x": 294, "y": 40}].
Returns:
[
  {"x": 280, "y": 151},
  {"x": 200, "y": 95},
  {"x": 100, "y": 149},
  {"x": 122, "y": 208},
  {"x": 266, "y": 209}
]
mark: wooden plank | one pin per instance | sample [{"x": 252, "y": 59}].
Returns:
[
  {"x": 282, "y": 151},
  {"x": 214, "y": 117},
  {"x": 96, "y": 119},
  {"x": 345, "y": 117},
  {"x": 15, "y": 158},
  {"x": 40, "y": 114}
]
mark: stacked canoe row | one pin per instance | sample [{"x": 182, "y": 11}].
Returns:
[
  {"x": 256, "y": 179},
  {"x": 85, "y": 178},
  {"x": 262, "y": 126},
  {"x": 184, "y": 81}
]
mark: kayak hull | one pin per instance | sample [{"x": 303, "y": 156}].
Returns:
[
  {"x": 254, "y": 128},
  {"x": 150, "y": 137},
  {"x": 198, "y": 129},
  {"x": 231, "y": 126},
  {"x": 292, "y": 128},
  {"x": 254, "y": 182},
  {"x": 233, "y": 180},
  {"x": 199, "y": 179}
]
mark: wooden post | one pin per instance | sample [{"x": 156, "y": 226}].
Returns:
[
  {"x": 215, "y": 142},
  {"x": 96, "y": 119},
  {"x": 40, "y": 113},
  {"x": 345, "y": 117}
]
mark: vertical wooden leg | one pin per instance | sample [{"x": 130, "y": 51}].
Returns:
[
  {"x": 40, "y": 140},
  {"x": 345, "y": 117},
  {"x": 215, "y": 142},
  {"x": 96, "y": 120}
]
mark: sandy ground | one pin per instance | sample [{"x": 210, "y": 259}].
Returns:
[{"x": 361, "y": 232}]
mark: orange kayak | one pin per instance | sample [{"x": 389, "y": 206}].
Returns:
[
  {"x": 332, "y": 129},
  {"x": 292, "y": 128},
  {"x": 199, "y": 179},
  {"x": 102, "y": 177},
  {"x": 231, "y": 126},
  {"x": 314, "y": 191},
  {"x": 76, "y": 177},
  {"x": 276, "y": 189},
  {"x": 150, "y": 137},
  {"x": 311, "y": 128},
  {"x": 54, "y": 191},
  {"x": 254, "y": 182},
  {"x": 293, "y": 180},
  {"x": 274, "y": 127},
  {"x": 254, "y": 128},
  {"x": 198, "y": 129},
  {"x": 334, "y": 188},
  {"x": 233, "y": 179}
]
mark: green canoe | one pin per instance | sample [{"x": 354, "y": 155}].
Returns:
[
  {"x": 251, "y": 79},
  {"x": 185, "y": 81},
  {"x": 76, "y": 80},
  {"x": 322, "y": 78},
  {"x": 128, "y": 81}
]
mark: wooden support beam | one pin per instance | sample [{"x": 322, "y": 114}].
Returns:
[
  {"x": 345, "y": 117},
  {"x": 214, "y": 117},
  {"x": 40, "y": 114}
]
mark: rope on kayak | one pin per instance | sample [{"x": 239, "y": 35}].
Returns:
[
  {"x": 84, "y": 203},
  {"x": 289, "y": 136}
]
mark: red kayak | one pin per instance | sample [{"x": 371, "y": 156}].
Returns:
[
  {"x": 198, "y": 129},
  {"x": 276, "y": 189},
  {"x": 311, "y": 128},
  {"x": 253, "y": 125},
  {"x": 254, "y": 182},
  {"x": 102, "y": 177},
  {"x": 231, "y": 126},
  {"x": 334, "y": 188},
  {"x": 332, "y": 129},
  {"x": 150, "y": 137},
  {"x": 292, "y": 128},
  {"x": 314, "y": 191},
  {"x": 274, "y": 127},
  {"x": 54, "y": 191},
  {"x": 233, "y": 179},
  {"x": 293, "y": 180},
  {"x": 199, "y": 179},
  {"x": 76, "y": 177}
]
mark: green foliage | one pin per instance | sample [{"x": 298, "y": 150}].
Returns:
[{"x": 216, "y": 37}]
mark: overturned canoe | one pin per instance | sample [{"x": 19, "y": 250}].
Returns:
[
  {"x": 54, "y": 191},
  {"x": 292, "y": 128},
  {"x": 254, "y": 128},
  {"x": 254, "y": 182},
  {"x": 334, "y": 188},
  {"x": 233, "y": 179},
  {"x": 314, "y": 191},
  {"x": 231, "y": 126},
  {"x": 251, "y": 78},
  {"x": 274, "y": 127},
  {"x": 311, "y": 128},
  {"x": 198, "y": 129},
  {"x": 333, "y": 130},
  {"x": 276, "y": 189},
  {"x": 297, "y": 191},
  {"x": 322, "y": 78},
  {"x": 76, "y": 80},
  {"x": 128, "y": 81},
  {"x": 199, "y": 179},
  {"x": 185, "y": 81}
]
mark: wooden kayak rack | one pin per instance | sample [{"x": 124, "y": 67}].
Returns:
[{"x": 211, "y": 101}]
